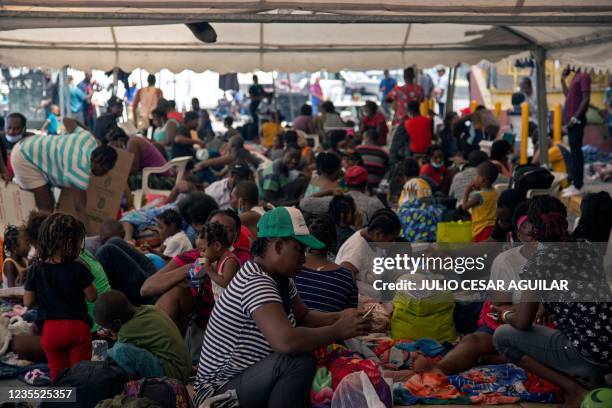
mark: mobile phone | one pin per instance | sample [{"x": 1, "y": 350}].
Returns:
[{"x": 369, "y": 311}]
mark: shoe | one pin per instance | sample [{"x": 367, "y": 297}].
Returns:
[{"x": 570, "y": 191}]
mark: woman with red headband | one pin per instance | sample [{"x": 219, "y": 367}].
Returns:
[{"x": 581, "y": 344}]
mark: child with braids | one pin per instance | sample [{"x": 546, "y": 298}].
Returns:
[
  {"x": 217, "y": 260},
  {"x": 343, "y": 211},
  {"x": 16, "y": 250},
  {"x": 59, "y": 284}
]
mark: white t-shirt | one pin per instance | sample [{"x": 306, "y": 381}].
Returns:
[
  {"x": 507, "y": 267},
  {"x": 360, "y": 254},
  {"x": 177, "y": 244},
  {"x": 220, "y": 191}
]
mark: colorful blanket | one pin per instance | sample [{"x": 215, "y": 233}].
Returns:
[{"x": 490, "y": 385}]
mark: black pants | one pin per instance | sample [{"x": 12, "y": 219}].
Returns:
[
  {"x": 278, "y": 380},
  {"x": 253, "y": 111},
  {"x": 575, "y": 134},
  {"x": 126, "y": 268}
]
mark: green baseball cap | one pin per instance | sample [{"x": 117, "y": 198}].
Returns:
[{"x": 286, "y": 222}]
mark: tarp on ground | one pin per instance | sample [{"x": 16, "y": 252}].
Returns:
[{"x": 298, "y": 35}]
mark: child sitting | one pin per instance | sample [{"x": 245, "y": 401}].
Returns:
[
  {"x": 148, "y": 342},
  {"x": 16, "y": 249},
  {"x": 59, "y": 284},
  {"x": 481, "y": 198},
  {"x": 218, "y": 262},
  {"x": 435, "y": 170},
  {"x": 174, "y": 239}
]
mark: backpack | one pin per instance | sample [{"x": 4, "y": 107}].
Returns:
[
  {"x": 168, "y": 392},
  {"x": 94, "y": 381},
  {"x": 528, "y": 176}
]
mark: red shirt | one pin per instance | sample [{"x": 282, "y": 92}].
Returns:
[
  {"x": 435, "y": 174},
  {"x": 419, "y": 130},
  {"x": 402, "y": 95},
  {"x": 176, "y": 116},
  {"x": 373, "y": 123},
  {"x": 581, "y": 83}
]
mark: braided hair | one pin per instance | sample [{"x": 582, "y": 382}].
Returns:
[
  {"x": 341, "y": 205},
  {"x": 32, "y": 226},
  {"x": 11, "y": 238},
  {"x": 323, "y": 228},
  {"x": 231, "y": 214},
  {"x": 60, "y": 235},
  {"x": 549, "y": 218},
  {"x": 215, "y": 232}
]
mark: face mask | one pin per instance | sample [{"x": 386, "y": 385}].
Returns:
[
  {"x": 14, "y": 139},
  {"x": 436, "y": 165}
]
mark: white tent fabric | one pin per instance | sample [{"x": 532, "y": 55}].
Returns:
[{"x": 356, "y": 34}]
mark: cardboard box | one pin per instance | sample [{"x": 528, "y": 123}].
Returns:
[
  {"x": 103, "y": 194},
  {"x": 15, "y": 204}
]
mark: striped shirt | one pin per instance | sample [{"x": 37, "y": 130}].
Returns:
[
  {"x": 64, "y": 159},
  {"x": 375, "y": 160},
  {"x": 327, "y": 291},
  {"x": 233, "y": 342}
]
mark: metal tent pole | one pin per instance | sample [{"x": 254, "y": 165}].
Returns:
[{"x": 540, "y": 62}]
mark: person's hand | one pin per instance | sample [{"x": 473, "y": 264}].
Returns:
[
  {"x": 543, "y": 317},
  {"x": 183, "y": 187},
  {"x": 502, "y": 310},
  {"x": 6, "y": 176},
  {"x": 351, "y": 324},
  {"x": 472, "y": 186},
  {"x": 565, "y": 73}
]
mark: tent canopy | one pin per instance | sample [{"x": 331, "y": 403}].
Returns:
[{"x": 356, "y": 34}]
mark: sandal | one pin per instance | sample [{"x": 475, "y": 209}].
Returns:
[{"x": 36, "y": 378}]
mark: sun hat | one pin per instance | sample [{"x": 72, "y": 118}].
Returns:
[{"x": 286, "y": 222}]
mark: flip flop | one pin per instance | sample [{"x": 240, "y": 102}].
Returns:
[{"x": 37, "y": 378}]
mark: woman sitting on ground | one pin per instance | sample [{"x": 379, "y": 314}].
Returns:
[
  {"x": 322, "y": 284},
  {"x": 357, "y": 253},
  {"x": 260, "y": 334},
  {"x": 507, "y": 267},
  {"x": 580, "y": 345}
]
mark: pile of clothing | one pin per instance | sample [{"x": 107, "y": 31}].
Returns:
[
  {"x": 491, "y": 385},
  {"x": 397, "y": 354},
  {"x": 335, "y": 362}
]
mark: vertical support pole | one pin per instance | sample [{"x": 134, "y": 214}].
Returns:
[
  {"x": 473, "y": 105},
  {"x": 450, "y": 97},
  {"x": 524, "y": 132},
  {"x": 557, "y": 124},
  {"x": 540, "y": 63},
  {"x": 61, "y": 86},
  {"x": 498, "y": 110},
  {"x": 115, "y": 80}
]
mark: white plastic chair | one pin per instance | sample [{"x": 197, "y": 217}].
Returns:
[
  {"x": 178, "y": 165},
  {"x": 554, "y": 188}
]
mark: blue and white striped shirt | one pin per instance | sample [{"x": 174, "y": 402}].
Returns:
[{"x": 327, "y": 291}]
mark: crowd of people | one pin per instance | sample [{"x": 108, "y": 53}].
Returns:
[{"x": 249, "y": 266}]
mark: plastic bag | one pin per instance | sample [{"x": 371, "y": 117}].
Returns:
[
  {"x": 356, "y": 391},
  {"x": 454, "y": 232}
]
